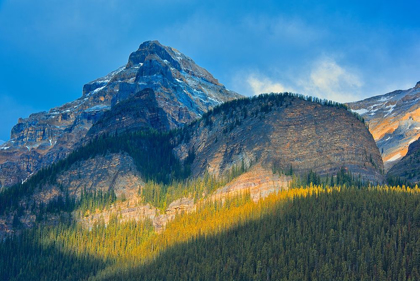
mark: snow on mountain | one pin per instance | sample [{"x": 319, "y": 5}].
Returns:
[{"x": 394, "y": 121}]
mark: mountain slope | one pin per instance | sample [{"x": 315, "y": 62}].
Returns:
[
  {"x": 181, "y": 92},
  {"x": 394, "y": 121},
  {"x": 408, "y": 168},
  {"x": 299, "y": 234},
  {"x": 251, "y": 145},
  {"x": 282, "y": 132}
]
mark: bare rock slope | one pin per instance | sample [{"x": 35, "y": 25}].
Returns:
[{"x": 283, "y": 132}]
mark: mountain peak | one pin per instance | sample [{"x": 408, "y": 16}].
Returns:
[
  {"x": 153, "y": 52},
  {"x": 158, "y": 87},
  {"x": 417, "y": 85},
  {"x": 154, "y": 49}
]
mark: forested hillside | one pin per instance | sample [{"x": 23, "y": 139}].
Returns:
[
  {"x": 312, "y": 233},
  {"x": 326, "y": 222}
]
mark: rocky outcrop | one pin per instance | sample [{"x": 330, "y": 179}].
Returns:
[
  {"x": 178, "y": 91},
  {"x": 112, "y": 171},
  {"x": 394, "y": 121},
  {"x": 258, "y": 182},
  {"x": 282, "y": 133}
]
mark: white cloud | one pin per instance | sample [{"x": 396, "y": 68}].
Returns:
[
  {"x": 327, "y": 79},
  {"x": 323, "y": 78},
  {"x": 261, "y": 85}
]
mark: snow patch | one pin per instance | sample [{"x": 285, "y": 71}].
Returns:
[
  {"x": 383, "y": 99},
  {"x": 102, "y": 81},
  {"x": 4, "y": 147},
  {"x": 393, "y": 158},
  {"x": 23, "y": 181},
  {"x": 97, "y": 89},
  {"x": 390, "y": 109},
  {"x": 212, "y": 99},
  {"x": 98, "y": 108},
  {"x": 360, "y": 111}
]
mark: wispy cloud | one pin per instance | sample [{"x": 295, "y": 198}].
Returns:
[
  {"x": 323, "y": 78},
  {"x": 261, "y": 85},
  {"x": 327, "y": 79}
]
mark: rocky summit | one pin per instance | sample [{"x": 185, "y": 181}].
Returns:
[
  {"x": 178, "y": 92},
  {"x": 394, "y": 121}
]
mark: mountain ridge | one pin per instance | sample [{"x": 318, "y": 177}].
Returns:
[
  {"x": 394, "y": 121},
  {"x": 184, "y": 91}
]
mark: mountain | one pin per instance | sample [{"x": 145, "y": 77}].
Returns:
[
  {"x": 258, "y": 145},
  {"x": 178, "y": 92},
  {"x": 160, "y": 173},
  {"x": 408, "y": 168},
  {"x": 394, "y": 121},
  {"x": 282, "y": 132}
]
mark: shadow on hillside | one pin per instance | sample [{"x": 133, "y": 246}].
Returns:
[
  {"x": 28, "y": 260},
  {"x": 315, "y": 238}
]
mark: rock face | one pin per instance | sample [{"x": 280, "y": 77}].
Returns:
[
  {"x": 394, "y": 121},
  {"x": 259, "y": 182},
  {"x": 139, "y": 111},
  {"x": 112, "y": 171},
  {"x": 408, "y": 168},
  {"x": 294, "y": 132},
  {"x": 179, "y": 91}
]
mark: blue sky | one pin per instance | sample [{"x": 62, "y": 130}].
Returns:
[{"x": 340, "y": 50}]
